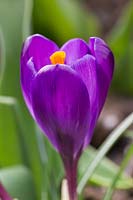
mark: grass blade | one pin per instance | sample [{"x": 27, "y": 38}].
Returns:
[
  {"x": 109, "y": 193},
  {"x": 104, "y": 173},
  {"x": 27, "y": 18},
  {"x": 2, "y": 55},
  {"x": 18, "y": 182},
  {"x": 104, "y": 148}
]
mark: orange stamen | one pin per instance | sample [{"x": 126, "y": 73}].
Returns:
[{"x": 58, "y": 57}]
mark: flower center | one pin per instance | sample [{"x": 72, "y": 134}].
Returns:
[{"x": 58, "y": 57}]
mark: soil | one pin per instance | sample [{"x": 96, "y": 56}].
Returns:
[{"x": 107, "y": 11}]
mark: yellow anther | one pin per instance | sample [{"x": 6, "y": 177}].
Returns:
[{"x": 58, "y": 57}]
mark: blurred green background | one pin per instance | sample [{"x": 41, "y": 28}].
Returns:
[{"x": 29, "y": 167}]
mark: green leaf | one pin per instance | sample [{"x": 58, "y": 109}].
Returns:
[
  {"x": 17, "y": 130},
  {"x": 63, "y": 19},
  {"x": 129, "y": 134},
  {"x": 20, "y": 146},
  {"x": 2, "y": 55},
  {"x": 127, "y": 157},
  {"x": 19, "y": 182},
  {"x": 11, "y": 20},
  {"x": 105, "y": 171},
  {"x": 10, "y": 152},
  {"x": 121, "y": 43},
  {"x": 27, "y": 18},
  {"x": 103, "y": 150},
  {"x": 52, "y": 168}
]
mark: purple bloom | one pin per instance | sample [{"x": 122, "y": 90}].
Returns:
[
  {"x": 3, "y": 193},
  {"x": 65, "y": 89}
]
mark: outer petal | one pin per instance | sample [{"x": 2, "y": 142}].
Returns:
[
  {"x": 35, "y": 54},
  {"x": 105, "y": 66},
  {"x": 75, "y": 49},
  {"x": 60, "y": 102},
  {"x": 87, "y": 69},
  {"x": 40, "y": 49},
  {"x": 27, "y": 74}
]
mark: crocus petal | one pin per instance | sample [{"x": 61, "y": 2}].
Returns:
[
  {"x": 61, "y": 106},
  {"x": 27, "y": 74},
  {"x": 105, "y": 66},
  {"x": 35, "y": 54},
  {"x": 87, "y": 69},
  {"x": 40, "y": 49},
  {"x": 75, "y": 49}
]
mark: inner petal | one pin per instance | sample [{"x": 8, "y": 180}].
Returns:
[{"x": 75, "y": 49}]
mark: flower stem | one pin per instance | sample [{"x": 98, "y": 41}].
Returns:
[
  {"x": 71, "y": 175},
  {"x": 64, "y": 190}
]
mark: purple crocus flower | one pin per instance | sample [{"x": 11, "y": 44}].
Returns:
[
  {"x": 3, "y": 193},
  {"x": 65, "y": 89}
]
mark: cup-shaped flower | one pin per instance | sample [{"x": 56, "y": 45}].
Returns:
[{"x": 65, "y": 89}]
